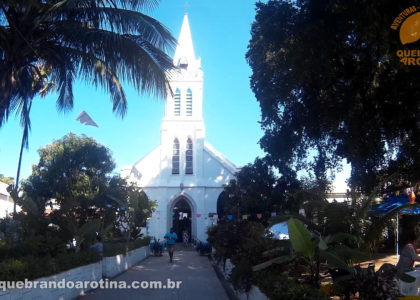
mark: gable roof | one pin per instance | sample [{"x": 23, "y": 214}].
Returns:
[{"x": 220, "y": 158}]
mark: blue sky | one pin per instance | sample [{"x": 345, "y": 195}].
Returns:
[{"x": 220, "y": 32}]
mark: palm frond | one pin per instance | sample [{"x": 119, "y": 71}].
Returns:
[{"x": 106, "y": 42}]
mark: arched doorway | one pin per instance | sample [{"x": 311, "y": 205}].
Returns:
[
  {"x": 222, "y": 201},
  {"x": 182, "y": 217}
]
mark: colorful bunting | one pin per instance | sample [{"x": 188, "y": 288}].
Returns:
[
  {"x": 198, "y": 215},
  {"x": 273, "y": 214},
  {"x": 412, "y": 197},
  {"x": 244, "y": 217},
  {"x": 259, "y": 216},
  {"x": 230, "y": 217}
]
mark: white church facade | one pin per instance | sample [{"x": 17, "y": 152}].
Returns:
[{"x": 184, "y": 174}]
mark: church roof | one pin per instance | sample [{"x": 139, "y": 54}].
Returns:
[
  {"x": 184, "y": 53},
  {"x": 219, "y": 156}
]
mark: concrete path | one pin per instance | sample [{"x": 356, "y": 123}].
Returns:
[{"x": 199, "y": 281}]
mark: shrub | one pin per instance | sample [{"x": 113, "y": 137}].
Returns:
[
  {"x": 116, "y": 247},
  {"x": 32, "y": 267},
  {"x": 277, "y": 286}
]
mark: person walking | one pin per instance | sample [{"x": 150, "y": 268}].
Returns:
[
  {"x": 171, "y": 238},
  {"x": 185, "y": 238}
]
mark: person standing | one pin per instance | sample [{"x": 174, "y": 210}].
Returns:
[
  {"x": 98, "y": 246},
  {"x": 185, "y": 238},
  {"x": 408, "y": 256},
  {"x": 171, "y": 238}
]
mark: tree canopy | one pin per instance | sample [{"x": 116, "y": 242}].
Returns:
[
  {"x": 7, "y": 180},
  {"x": 331, "y": 87},
  {"x": 50, "y": 43},
  {"x": 258, "y": 190},
  {"x": 73, "y": 188}
]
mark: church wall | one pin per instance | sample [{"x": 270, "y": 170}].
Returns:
[
  {"x": 203, "y": 199},
  {"x": 215, "y": 174},
  {"x": 211, "y": 170}
]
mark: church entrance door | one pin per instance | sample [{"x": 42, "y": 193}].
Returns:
[{"x": 181, "y": 218}]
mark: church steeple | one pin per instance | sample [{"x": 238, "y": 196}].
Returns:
[
  {"x": 182, "y": 130},
  {"x": 184, "y": 54},
  {"x": 185, "y": 102}
]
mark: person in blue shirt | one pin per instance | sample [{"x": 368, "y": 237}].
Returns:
[
  {"x": 171, "y": 238},
  {"x": 98, "y": 246}
]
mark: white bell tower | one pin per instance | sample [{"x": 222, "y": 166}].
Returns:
[
  {"x": 183, "y": 121},
  {"x": 184, "y": 171}
]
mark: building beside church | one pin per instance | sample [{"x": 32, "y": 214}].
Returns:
[
  {"x": 6, "y": 202},
  {"x": 184, "y": 174}
]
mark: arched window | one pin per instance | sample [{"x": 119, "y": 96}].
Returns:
[
  {"x": 175, "y": 157},
  {"x": 177, "y": 102},
  {"x": 189, "y": 102},
  {"x": 189, "y": 157}
]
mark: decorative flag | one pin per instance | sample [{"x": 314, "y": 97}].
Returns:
[
  {"x": 198, "y": 215},
  {"x": 412, "y": 197},
  {"x": 85, "y": 119},
  {"x": 230, "y": 217},
  {"x": 397, "y": 193},
  {"x": 244, "y": 217},
  {"x": 273, "y": 214},
  {"x": 259, "y": 216}
]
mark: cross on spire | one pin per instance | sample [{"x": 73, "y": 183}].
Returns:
[{"x": 186, "y": 6}]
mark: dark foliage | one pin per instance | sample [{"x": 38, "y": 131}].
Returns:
[{"x": 331, "y": 87}]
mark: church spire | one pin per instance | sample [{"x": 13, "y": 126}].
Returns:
[{"x": 184, "y": 54}]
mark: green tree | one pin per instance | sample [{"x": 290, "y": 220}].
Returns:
[
  {"x": 132, "y": 205},
  {"x": 72, "y": 187},
  {"x": 71, "y": 180},
  {"x": 258, "y": 189},
  {"x": 331, "y": 87},
  {"x": 8, "y": 180},
  {"x": 102, "y": 42}
]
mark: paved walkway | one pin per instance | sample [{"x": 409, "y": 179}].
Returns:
[{"x": 196, "y": 273}]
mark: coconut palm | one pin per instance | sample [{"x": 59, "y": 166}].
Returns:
[{"x": 103, "y": 42}]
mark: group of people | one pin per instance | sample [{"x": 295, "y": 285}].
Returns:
[
  {"x": 408, "y": 255},
  {"x": 171, "y": 237}
]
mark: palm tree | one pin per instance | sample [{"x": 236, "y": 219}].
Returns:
[
  {"x": 46, "y": 43},
  {"x": 102, "y": 42}
]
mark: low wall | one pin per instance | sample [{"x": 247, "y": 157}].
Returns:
[
  {"x": 107, "y": 268},
  {"x": 114, "y": 265},
  {"x": 92, "y": 272},
  {"x": 254, "y": 293}
]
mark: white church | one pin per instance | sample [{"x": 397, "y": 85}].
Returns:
[{"x": 184, "y": 174}]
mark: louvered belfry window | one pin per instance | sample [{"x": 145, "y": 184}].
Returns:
[
  {"x": 177, "y": 103},
  {"x": 189, "y": 102}
]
